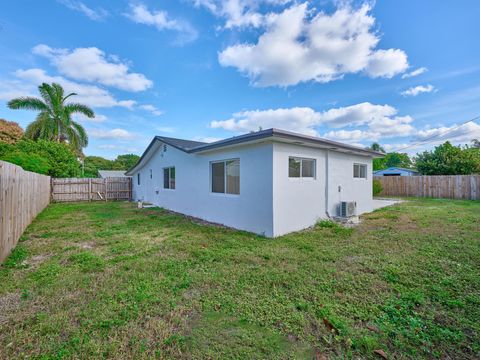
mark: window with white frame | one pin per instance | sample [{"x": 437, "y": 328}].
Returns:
[
  {"x": 301, "y": 167},
  {"x": 360, "y": 171},
  {"x": 169, "y": 178},
  {"x": 138, "y": 179},
  {"x": 225, "y": 176}
]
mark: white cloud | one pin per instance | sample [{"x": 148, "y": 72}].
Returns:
[
  {"x": 416, "y": 90},
  {"x": 378, "y": 120},
  {"x": 207, "y": 139},
  {"x": 79, "y": 6},
  {"x": 10, "y": 89},
  {"x": 117, "y": 134},
  {"x": 415, "y": 72},
  {"x": 299, "y": 119},
  {"x": 127, "y": 149},
  {"x": 166, "y": 129},
  {"x": 386, "y": 63},
  {"x": 93, "y": 65},
  {"x": 454, "y": 133},
  {"x": 239, "y": 13},
  {"x": 27, "y": 81},
  {"x": 160, "y": 19},
  {"x": 298, "y": 47},
  {"x": 99, "y": 118},
  {"x": 154, "y": 110}
]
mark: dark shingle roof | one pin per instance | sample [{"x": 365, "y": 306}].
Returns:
[
  {"x": 180, "y": 143},
  {"x": 278, "y": 133}
]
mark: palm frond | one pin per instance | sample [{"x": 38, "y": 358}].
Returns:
[
  {"x": 42, "y": 128},
  {"x": 53, "y": 95},
  {"x": 66, "y": 97},
  {"x": 28, "y": 103},
  {"x": 79, "y": 108},
  {"x": 82, "y": 134},
  {"x": 58, "y": 91},
  {"x": 46, "y": 92}
]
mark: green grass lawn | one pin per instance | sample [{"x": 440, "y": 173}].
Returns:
[{"x": 107, "y": 280}]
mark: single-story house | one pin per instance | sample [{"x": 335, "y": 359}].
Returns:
[
  {"x": 111, "y": 173},
  {"x": 269, "y": 182},
  {"x": 396, "y": 171}
]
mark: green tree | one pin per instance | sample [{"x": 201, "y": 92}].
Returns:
[
  {"x": 91, "y": 165},
  {"x": 395, "y": 159},
  {"x": 447, "y": 159},
  {"x": 376, "y": 147},
  {"x": 125, "y": 162},
  {"x": 54, "y": 120}
]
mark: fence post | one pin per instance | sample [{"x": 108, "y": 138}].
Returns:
[
  {"x": 89, "y": 189},
  {"x": 105, "y": 182}
]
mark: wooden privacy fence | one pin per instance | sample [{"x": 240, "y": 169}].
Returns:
[
  {"x": 23, "y": 194},
  {"x": 91, "y": 189},
  {"x": 441, "y": 186}
]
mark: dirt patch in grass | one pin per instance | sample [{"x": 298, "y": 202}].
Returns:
[
  {"x": 9, "y": 302},
  {"x": 34, "y": 261}
]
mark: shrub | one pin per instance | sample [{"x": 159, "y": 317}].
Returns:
[
  {"x": 28, "y": 162},
  {"x": 377, "y": 187},
  {"x": 42, "y": 156}
]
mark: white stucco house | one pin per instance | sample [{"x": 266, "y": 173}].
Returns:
[{"x": 269, "y": 182}]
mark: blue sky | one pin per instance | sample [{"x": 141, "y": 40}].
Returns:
[{"x": 396, "y": 72}]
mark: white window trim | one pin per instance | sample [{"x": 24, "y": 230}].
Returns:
[
  {"x": 302, "y": 178},
  {"x": 224, "y": 194},
  {"x": 366, "y": 171},
  {"x": 169, "y": 178}
]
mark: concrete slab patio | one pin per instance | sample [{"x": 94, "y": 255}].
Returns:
[{"x": 381, "y": 203}]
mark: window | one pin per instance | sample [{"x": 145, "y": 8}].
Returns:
[
  {"x": 138, "y": 179},
  {"x": 360, "y": 171},
  {"x": 151, "y": 174},
  {"x": 226, "y": 176},
  {"x": 299, "y": 167},
  {"x": 169, "y": 178}
]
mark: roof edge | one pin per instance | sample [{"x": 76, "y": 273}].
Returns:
[{"x": 262, "y": 134}]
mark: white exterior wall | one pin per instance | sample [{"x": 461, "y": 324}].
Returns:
[
  {"x": 300, "y": 202},
  {"x": 251, "y": 210},
  {"x": 352, "y": 189},
  {"x": 297, "y": 202}
]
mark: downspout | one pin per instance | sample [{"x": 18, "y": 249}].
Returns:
[{"x": 326, "y": 183}]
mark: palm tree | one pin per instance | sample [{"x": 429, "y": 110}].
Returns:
[{"x": 54, "y": 121}]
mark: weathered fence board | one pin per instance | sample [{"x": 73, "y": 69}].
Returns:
[
  {"x": 91, "y": 189},
  {"x": 441, "y": 186},
  {"x": 23, "y": 194}
]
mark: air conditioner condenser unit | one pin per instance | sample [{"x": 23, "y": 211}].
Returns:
[{"x": 348, "y": 208}]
